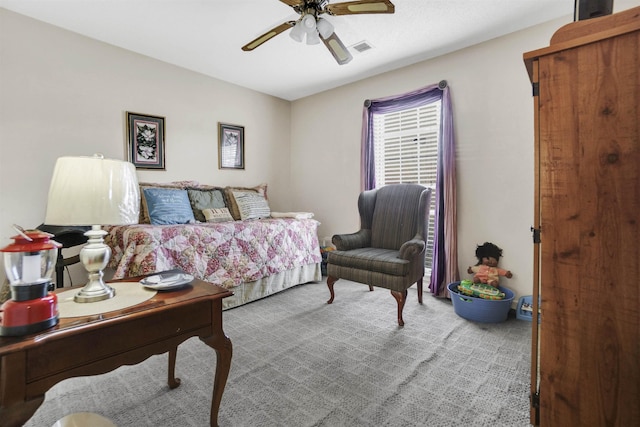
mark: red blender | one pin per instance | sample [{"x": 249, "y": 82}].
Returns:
[{"x": 29, "y": 263}]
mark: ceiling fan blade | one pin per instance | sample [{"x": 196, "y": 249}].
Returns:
[
  {"x": 361, "y": 6},
  {"x": 337, "y": 48},
  {"x": 268, "y": 35}
]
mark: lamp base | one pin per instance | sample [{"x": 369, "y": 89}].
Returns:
[
  {"x": 94, "y": 256},
  {"x": 94, "y": 293}
]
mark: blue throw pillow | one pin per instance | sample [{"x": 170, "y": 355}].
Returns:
[{"x": 168, "y": 206}]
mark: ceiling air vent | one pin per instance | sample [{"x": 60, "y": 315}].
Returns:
[{"x": 362, "y": 47}]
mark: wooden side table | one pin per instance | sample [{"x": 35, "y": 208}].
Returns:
[{"x": 98, "y": 344}]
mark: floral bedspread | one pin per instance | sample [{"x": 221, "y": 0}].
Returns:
[{"x": 226, "y": 253}]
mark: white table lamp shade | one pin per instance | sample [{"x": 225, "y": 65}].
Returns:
[{"x": 92, "y": 191}]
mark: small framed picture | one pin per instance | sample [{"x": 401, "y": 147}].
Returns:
[
  {"x": 230, "y": 146},
  {"x": 145, "y": 141}
]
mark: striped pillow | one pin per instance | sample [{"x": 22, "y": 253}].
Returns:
[
  {"x": 231, "y": 201},
  {"x": 251, "y": 205},
  {"x": 217, "y": 215}
]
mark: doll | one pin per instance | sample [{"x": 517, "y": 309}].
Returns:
[{"x": 486, "y": 270}]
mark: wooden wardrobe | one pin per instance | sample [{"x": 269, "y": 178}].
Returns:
[{"x": 585, "y": 368}]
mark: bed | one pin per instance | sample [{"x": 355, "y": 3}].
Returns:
[
  {"x": 253, "y": 258},
  {"x": 226, "y": 236}
]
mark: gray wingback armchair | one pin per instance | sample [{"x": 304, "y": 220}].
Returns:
[{"x": 389, "y": 249}]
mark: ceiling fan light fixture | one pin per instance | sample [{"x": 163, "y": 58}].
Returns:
[
  {"x": 324, "y": 28},
  {"x": 297, "y": 32},
  {"x": 309, "y": 23},
  {"x": 312, "y": 38}
]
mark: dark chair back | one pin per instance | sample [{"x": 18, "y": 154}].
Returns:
[{"x": 400, "y": 214}]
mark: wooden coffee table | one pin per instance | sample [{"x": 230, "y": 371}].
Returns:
[{"x": 78, "y": 346}]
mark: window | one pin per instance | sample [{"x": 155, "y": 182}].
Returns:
[
  {"x": 406, "y": 151},
  {"x": 444, "y": 244}
]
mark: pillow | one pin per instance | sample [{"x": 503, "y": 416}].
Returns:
[
  {"x": 217, "y": 215},
  {"x": 231, "y": 201},
  {"x": 168, "y": 206},
  {"x": 251, "y": 205},
  {"x": 144, "y": 211},
  {"x": 205, "y": 199}
]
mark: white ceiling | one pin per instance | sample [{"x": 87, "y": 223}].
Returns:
[{"x": 206, "y": 35}]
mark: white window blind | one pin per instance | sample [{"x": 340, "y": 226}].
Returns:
[{"x": 406, "y": 151}]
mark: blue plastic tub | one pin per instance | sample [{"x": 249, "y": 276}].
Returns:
[{"x": 478, "y": 309}]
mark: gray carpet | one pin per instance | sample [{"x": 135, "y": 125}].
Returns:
[{"x": 300, "y": 362}]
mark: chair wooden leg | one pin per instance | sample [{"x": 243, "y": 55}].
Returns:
[
  {"x": 330, "y": 281},
  {"x": 400, "y": 297},
  {"x": 420, "y": 290}
]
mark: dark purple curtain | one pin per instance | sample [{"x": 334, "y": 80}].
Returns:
[{"x": 445, "y": 256}]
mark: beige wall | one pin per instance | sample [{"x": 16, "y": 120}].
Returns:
[
  {"x": 64, "y": 94},
  {"x": 493, "y": 120}
]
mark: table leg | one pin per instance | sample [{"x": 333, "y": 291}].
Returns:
[
  {"x": 172, "y": 380},
  {"x": 18, "y": 414},
  {"x": 224, "y": 351},
  {"x": 223, "y": 348},
  {"x": 15, "y": 408}
]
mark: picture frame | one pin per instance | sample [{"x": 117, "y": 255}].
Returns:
[
  {"x": 145, "y": 141},
  {"x": 230, "y": 146}
]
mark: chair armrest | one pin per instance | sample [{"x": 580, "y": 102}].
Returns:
[
  {"x": 411, "y": 248},
  {"x": 345, "y": 242}
]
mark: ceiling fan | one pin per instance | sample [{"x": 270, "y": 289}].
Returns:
[{"x": 315, "y": 28}]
